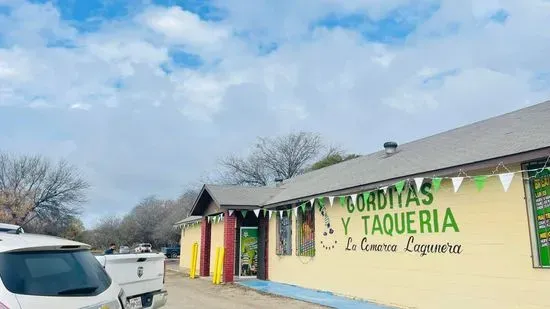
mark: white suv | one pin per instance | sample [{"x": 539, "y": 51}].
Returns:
[{"x": 38, "y": 271}]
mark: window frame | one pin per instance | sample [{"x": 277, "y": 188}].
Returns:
[
  {"x": 279, "y": 250},
  {"x": 528, "y": 187},
  {"x": 300, "y": 238}
]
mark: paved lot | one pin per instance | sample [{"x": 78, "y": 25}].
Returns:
[{"x": 201, "y": 293}]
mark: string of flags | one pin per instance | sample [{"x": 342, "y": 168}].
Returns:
[{"x": 505, "y": 179}]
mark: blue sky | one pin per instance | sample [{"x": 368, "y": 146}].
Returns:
[{"x": 146, "y": 98}]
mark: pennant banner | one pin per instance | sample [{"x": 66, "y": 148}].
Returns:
[
  {"x": 418, "y": 182},
  {"x": 331, "y": 200},
  {"x": 436, "y": 183},
  {"x": 295, "y": 211},
  {"x": 257, "y": 212},
  {"x": 230, "y": 211},
  {"x": 506, "y": 180},
  {"x": 354, "y": 199},
  {"x": 399, "y": 186},
  {"x": 385, "y": 189},
  {"x": 243, "y": 212},
  {"x": 366, "y": 196},
  {"x": 342, "y": 201},
  {"x": 457, "y": 181},
  {"x": 303, "y": 207},
  {"x": 270, "y": 213},
  {"x": 480, "y": 182}
]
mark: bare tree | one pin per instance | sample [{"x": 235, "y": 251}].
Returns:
[
  {"x": 31, "y": 186},
  {"x": 245, "y": 171},
  {"x": 152, "y": 221},
  {"x": 280, "y": 157}
]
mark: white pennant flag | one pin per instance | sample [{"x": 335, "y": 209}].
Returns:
[
  {"x": 457, "y": 181},
  {"x": 280, "y": 213},
  {"x": 230, "y": 212},
  {"x": 257, "y": 212},
  {"x": 385, "y": 189},
  {"x": 354, "y": 199},
  {"x": 269, "y": 213},
  {"x": 506, "y": 180},
  {"x": 331, "y": 200},
  {"x": 295, "y": 211},
  {"x": 418, "y": 182},
  {"x": 312, "y": 201}
]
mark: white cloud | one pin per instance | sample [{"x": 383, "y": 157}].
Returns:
[
  {"x": 328, "y": 80},
  {"x": 184, "y": 27}
]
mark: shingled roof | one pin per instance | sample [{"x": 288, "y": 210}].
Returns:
[
  {"x": 523, "y": 131},
  {"x": 235, "y": 197},
  {"x": 517, "y": 132}
]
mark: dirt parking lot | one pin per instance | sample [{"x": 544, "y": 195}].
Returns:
[{"x": 201, "y": 293}]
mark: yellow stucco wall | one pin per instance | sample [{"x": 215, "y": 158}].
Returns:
[
  {"x": 216, "y": 241},
  {"x": 189, "y": 235},
  {"x": 494, "y": 269}
]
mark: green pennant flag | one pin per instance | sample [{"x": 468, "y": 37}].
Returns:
[
  {"x": 480, "y": 181},
  {"x": 265, "y": 212},
  {"x": 288, "y": 212},
  {"x": 303, "y": 207},
  {"x": 243, "y": 212},
  {"x": 366, "y": 197},
  {"x": 399, "y": 186},
  {"x": 321, "y": 201},
  {"x": 436, "y": 182},
  {"x": 342, "y": 201}
]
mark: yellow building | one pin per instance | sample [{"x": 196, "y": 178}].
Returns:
[
  {"x": 190, "y": 234},
  {"x": 460, "y": 219}
]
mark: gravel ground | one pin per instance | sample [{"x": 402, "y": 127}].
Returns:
[{"x": 201, "y": 293}]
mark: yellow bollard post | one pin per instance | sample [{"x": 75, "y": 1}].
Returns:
[
  {"x": 194, "y": 252},
  {"x": 220, "y": 266},
  {"x": 215, "y": 276}
]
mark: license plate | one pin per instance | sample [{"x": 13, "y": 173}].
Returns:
[{"x": 135, "y": 303}]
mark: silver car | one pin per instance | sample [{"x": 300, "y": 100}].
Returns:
[{"x": 124, "y": 249}]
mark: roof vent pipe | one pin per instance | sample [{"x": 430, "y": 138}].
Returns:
[
  {"x": 278, "y": 181},
  {"x": 390, "y": 147}
]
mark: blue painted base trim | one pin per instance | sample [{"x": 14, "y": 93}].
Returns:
[{"x": 317, "y": 297}]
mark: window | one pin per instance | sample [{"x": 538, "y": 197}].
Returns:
[
  {"x": 539, "y": 192},
  {"x": 305, "y": 232},
  {"x": 284, "y": 234},
  {"x": 53, "y": 273}
]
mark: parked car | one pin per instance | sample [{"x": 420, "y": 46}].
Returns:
[
  {"x": 38, "y": 271},
  {"x": 142, "y": 248},
  {"x": 124, "y": 249},
  {"x": 171, "y": 252},
  {"x": 141, "y": 276}
]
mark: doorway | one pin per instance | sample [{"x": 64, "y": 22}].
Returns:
[{"x": 251, "y": 245}]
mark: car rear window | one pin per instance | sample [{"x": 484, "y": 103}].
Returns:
[{"x": 53, "y": 273}]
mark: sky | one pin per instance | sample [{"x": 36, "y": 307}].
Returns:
[{"x": 145, "y": 97}]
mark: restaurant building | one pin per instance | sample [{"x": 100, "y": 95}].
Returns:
[{"x": 460, "y": 219}]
